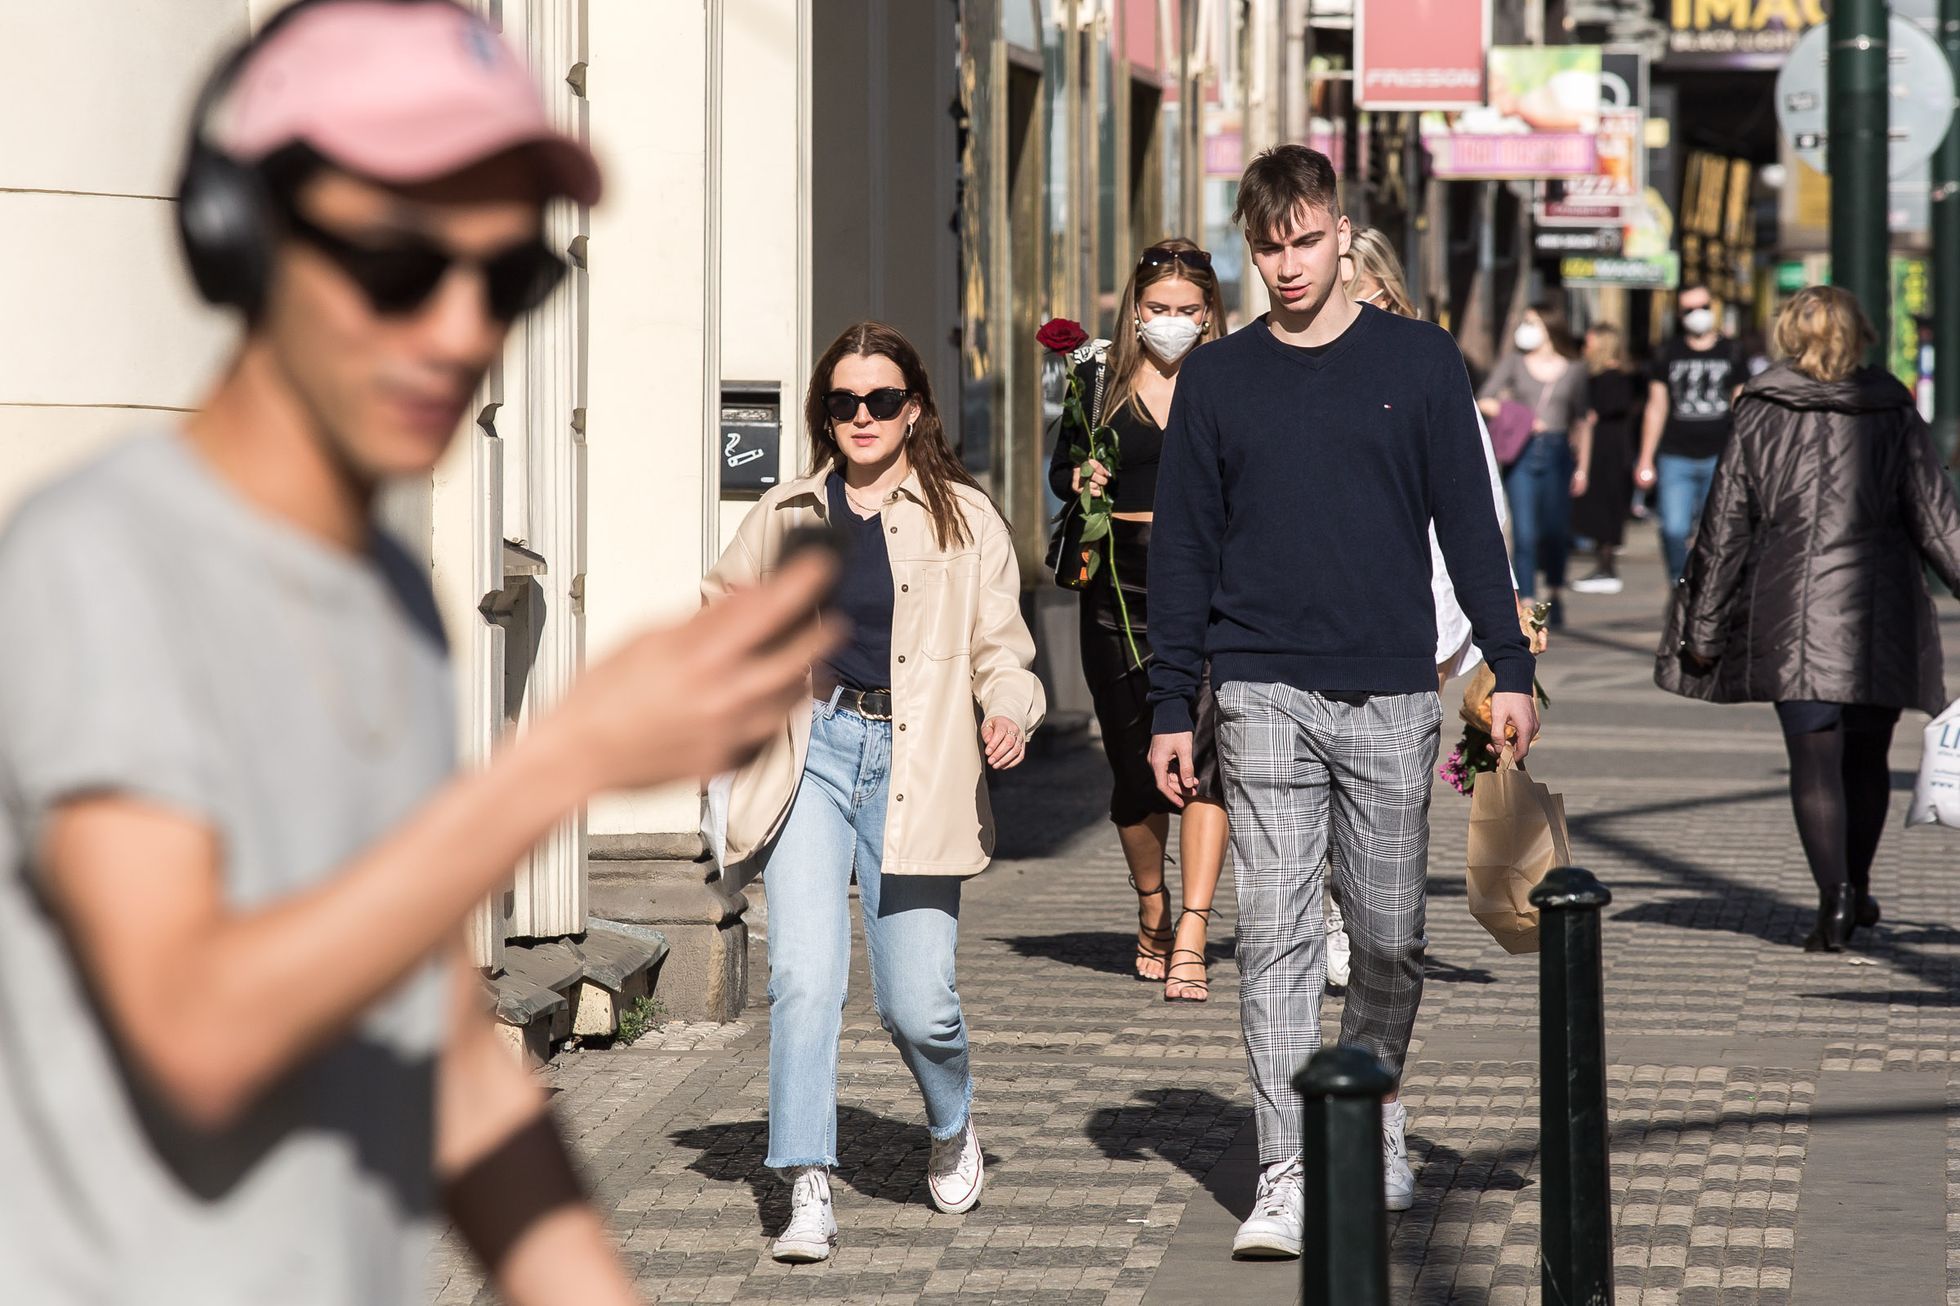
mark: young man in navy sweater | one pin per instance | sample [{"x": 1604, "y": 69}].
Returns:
[{"x": 1305, "y": 459}]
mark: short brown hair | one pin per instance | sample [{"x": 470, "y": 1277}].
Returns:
[
  {"x": 1278, "y": 181},
  {"x": 1824, "y": 333}
]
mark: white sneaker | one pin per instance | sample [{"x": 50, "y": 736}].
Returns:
[
  {"x": 1278, "y": 1221},
  {"x": 1398, "y": 1180},
  {"x": 956, "y": 1172},
  {"x": 812, "y": 1231},
  {"x": 1340, "y": 953},
  {"x": 1599, "y": 583}
]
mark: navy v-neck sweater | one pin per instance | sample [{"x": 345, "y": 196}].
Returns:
[{"x": 1294, "y": 499}]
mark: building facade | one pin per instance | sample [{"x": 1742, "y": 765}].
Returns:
[{"x": 776, "y": 169}]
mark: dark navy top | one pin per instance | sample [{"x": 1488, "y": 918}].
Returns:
[
  {"x": 1293, "y": 513},
  {"x": 864, "y": 597}
]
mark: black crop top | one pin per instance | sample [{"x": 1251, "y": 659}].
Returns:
[{"x": 1139, "y": 443}]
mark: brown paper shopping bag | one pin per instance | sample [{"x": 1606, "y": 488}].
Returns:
[{"x": 1517, "y": 835}]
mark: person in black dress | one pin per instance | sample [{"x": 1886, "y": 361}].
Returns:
[
  {"x": 1600, "y": 513},
  {"x": 1171, "y": 305}
]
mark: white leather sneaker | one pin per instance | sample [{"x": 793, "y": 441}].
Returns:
[
  {"x": 1278, "y": 1221},
  {"x": 1398, "y": 1180},
  {"x": 1340, "y": 954},
  {"x": 811, "y": 1234},
  {"x": 956, "y": 1172}
]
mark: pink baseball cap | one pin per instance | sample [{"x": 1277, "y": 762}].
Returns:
[{"x": 397, "y": 92}]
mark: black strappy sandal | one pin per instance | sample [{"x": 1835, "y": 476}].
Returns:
[
  {"x": 1168, "y": 932},
  {"x": 1170, "y": 971}
]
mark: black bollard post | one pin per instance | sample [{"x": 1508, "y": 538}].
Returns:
[
  {"x": 1578, "y": 1207},
  {"x": 1344, "y": 1261}
]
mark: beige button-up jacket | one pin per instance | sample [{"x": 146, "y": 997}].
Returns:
[{"x": 958, "y": 639}]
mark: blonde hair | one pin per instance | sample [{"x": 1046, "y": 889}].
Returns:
[
  {"x": 1824, "y": 333},
  {"x": 1126, "y": 352},
  {"x": 1603, "y": 348},
  {"x": 1374, "y": 258}
]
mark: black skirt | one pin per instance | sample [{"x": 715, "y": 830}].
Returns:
[{"x": 1121, "y": 687}]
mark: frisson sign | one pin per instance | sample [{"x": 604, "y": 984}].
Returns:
[
  {"x": 1420, "y": 54},
  {"x": 1735, "y": 33}
]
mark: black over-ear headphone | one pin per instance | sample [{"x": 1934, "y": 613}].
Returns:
[{"x": 225, "y": 216}]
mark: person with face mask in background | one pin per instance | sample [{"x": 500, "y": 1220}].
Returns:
[
  {"x": 1171, "y": 305},
  {"x": 1695, "y": 380},
  {"x": 1545, "y": 375}
]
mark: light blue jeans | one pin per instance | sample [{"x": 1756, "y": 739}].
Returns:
[
  {"x": 911, "y": 924},
  {"x": 1683, "y": 485}
]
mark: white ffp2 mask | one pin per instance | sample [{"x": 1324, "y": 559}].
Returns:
[
  {"x": 1528, "y": 337},
  {"x": 1170, "y": 338}
]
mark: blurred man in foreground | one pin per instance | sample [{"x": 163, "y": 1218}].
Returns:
[{"x": 243, "y": 1057}]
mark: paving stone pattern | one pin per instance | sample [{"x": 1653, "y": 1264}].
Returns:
[{"x": 1105, "y": 1113}]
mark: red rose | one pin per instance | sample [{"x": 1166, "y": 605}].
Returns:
[{"x": 1060, "y": 335}]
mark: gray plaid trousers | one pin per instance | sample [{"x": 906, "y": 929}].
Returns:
[{"x": 1302, "y": 768}]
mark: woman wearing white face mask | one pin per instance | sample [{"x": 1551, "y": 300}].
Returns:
[
  {"x": 1545, "y": 374},
  {"x": 1171, "y": 306}
]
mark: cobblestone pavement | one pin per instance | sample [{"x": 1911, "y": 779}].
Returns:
[{"x": 1756, "y": 1092}]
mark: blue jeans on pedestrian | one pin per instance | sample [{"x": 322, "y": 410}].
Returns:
[
  {"x": 1683, "y": 484},
  {"x": 911, "y": 924},
  {"x": 1539, "y": 488}
]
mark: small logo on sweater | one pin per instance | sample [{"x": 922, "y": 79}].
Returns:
[{"x": 1385, "y": 406}]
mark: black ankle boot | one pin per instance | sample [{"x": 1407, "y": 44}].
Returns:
[
  {"x": 1867, "y": 909},
  {"x": 1836, "y": 912}
]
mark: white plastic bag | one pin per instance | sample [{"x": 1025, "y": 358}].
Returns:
[{"x": 1936, "y": 795}]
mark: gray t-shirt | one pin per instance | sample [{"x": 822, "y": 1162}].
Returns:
[
  {"x": 1558, "y": 405},
  {"x": 165, "y": 639}
]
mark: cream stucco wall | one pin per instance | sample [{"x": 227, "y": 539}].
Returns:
[
  {"x": 650, "y": 346},
  {"x": 101, "y": 331}
]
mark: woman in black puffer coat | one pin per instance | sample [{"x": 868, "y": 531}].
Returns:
[{"x": 1805, "y": 585}]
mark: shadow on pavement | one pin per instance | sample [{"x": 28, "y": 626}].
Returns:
[
  {"x": 1189, "y": 1128},
  {"x": 1107, "y": 951},
  {"x": 878, "y": 1157},
  {"x": 1043, "y": 804}
]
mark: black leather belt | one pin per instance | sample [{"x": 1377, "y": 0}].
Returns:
[{"x": 871, "y": 704}]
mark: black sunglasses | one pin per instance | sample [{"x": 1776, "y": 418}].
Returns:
[
  {"x": 400, "y": 275},
  {"x": 883, "y": 405},
  {"x": 1190, "y": 258}
]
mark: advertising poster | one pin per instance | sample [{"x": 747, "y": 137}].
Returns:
[
  {"x": 1621, "y": 174},
  {"x": 1542, "y": 119},
  {"x": 1616, "y": 181}
]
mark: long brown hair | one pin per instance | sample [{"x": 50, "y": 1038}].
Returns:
[
  {"x": 1126, "y": 353},
  {"x": 939, "y": 469}
]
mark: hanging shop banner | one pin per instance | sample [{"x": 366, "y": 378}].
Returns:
[
  {"x": 1646, "y": 260},
  {"x": 1743, "y": 34},
  {"x": 1556, "y": 241},
  {"x": 1662, "y": 272},
  {"x": 1420, "y": 54},
  {"x": 1542, "y": 119}
]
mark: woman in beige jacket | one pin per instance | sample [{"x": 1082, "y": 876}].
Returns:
[{"x": 883, "y": 776}]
